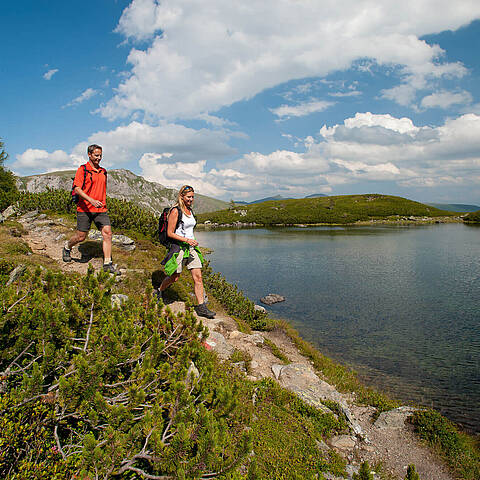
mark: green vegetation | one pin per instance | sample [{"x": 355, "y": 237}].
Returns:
[
  {"x": 364, "y": 472},
  {"x": 8, "y": 189},
  {"x": 473, "y": 217},
  {"x": 412, "y": 473},
  {"x": 98, "y": 391},
  {"x": 76, "y": 391},
  {"x": 342, "y": 209},
  {"x": 460, "y": 451}
]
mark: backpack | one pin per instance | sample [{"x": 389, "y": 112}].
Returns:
[
  {"x": 163, "y": 224},
  {"x": 76, "y": 196}
]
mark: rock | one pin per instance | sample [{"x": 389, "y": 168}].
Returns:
[
  {"x": 272, "y": 298},
  {"x": 218, "y": 343},
  {"x": 9, "y": 211},
  {"x": 277, "y": 369},
  {"x": 59, "y": 237},
  {"x": 394, "y": 418},
  {"x": 122, "y": 241},
  {"x": 301, "y": 380},
  {"x": 241, "y": 366},
  {"x": 29, "y": 216},
  {"x": 2, "y": 218},
  {"x": 343, "y": 442},
  {"x": 16, "y": 274},
  {"x": 118, "y": 299},
  {"x": 259, "y": 308},
  {"x": 192, "y": 374},
  {"x": 255, "y": 339}
]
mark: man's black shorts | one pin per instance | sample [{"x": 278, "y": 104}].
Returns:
[{"x": 85, "y": 219}]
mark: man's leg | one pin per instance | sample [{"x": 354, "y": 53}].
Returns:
[
  {"x": 83, "y": 225},
  {"x": 107, "y": 244}
]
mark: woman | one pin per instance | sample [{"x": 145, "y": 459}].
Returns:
[{"x": 184, "y": 249}]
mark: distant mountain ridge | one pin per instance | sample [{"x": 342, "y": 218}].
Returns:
[
  {"x": 277, "y": 197},
  {"x": 455, "y": 207},
  {"x": 122, "y": 184}
]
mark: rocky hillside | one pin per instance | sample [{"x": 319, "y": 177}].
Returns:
[{"x": 124, "y": 185}]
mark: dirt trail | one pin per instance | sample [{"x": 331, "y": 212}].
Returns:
[{"x": 392, "y": 442}]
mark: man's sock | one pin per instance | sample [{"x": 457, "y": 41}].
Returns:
[{"x": 66, "y": 246}]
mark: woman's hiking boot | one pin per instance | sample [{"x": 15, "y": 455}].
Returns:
[{"x": 203, "y": 311}]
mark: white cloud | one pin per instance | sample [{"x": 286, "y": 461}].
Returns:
[
  {"x": 302, "y": 109},
  {"x": 446, "y": 99},
  {"x": 369, "y": 148},
  {"x": 84, "y": 96},
  {"x": 34, "y": 160},
  {"x": 48, "y": 75},
  {"x": 206, "y": 55},
  {"x": 125, "y": 146}
]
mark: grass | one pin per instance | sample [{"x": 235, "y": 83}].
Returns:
[
  {"x": 460, "y": 451},
  {"x": 343, "y": 209}
]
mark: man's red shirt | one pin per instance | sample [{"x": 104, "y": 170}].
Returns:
[{"x": 95, "y": 187}]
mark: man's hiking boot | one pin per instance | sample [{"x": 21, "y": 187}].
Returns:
[
  {"x": 66, "y": 255},
  {"x": 203, "y": 311},
  {"x": 110, "y": 268}
]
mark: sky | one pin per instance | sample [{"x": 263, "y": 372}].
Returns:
[{"x": 245, "y": 100}]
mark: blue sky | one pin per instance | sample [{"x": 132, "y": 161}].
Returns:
[{"x": 250, "y": 99}]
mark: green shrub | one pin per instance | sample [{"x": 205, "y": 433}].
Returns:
[
  {"x": 412, "y": 473},
  {"x": 459, "y": 450},
  {"x": 116, "y": 390},
  {"x": 364, "y": 472}
]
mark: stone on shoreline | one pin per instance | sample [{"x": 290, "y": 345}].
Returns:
[{"x": 272, "y": 298}]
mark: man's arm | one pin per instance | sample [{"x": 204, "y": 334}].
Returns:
[{"x": 81, "y": 193}]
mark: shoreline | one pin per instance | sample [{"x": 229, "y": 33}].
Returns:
[{"x": 385, "y": 221}]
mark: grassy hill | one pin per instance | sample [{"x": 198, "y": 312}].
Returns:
[{"x": 341, "y": 209}]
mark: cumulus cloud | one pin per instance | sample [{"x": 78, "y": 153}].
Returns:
[
  {"x": 446, "y": 99},
  {"x": 202, "y": 56},
  {"x": 84, "y": 96},
  {"x": 302, "y": 109},
  {"x": 48, "y": 75},
  {"x": 127, "y": 144},
  {"x": 365, "y": 149},
  {"x": 35, "y": 160}
]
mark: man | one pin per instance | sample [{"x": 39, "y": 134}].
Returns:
[{"x": 90, "y": 184}]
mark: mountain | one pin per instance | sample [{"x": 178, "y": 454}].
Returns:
[
  {"x": 316, "y": 195},
  {"x": 124, "y": 185},
  {"x": 455, "y": 207}
]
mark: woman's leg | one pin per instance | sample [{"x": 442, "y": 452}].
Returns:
[
  {"x": 167, "y": 281},
  {"x": 198, "y": 284}
]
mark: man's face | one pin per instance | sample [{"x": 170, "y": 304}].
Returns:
[{"x": 95, "y": 157}]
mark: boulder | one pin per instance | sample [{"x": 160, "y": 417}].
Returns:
[
  {"x": 259, "y": 308},
  {"x": 118, "y": 299},
  {"x": 8, "y": 212},
  {"x": 394, "y": 419},
  {"x": 343, "y": 442},
  {"x": 272, "y": 298},
  {"x": 218, "y": 343},
  {"x": 122, "y": 241}
]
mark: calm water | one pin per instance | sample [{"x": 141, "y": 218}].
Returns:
[{"x": 399, "y": 304}]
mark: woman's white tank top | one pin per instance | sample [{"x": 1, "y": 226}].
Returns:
[{"x": 187, "y": 224}]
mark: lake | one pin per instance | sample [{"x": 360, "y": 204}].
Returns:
[{"x": 400, "y": 304}]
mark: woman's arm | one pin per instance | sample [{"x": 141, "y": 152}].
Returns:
[{"x": 172, "y": 223}]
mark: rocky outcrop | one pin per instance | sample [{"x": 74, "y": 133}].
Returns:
[
  {"x": 272, "y": 298},
  {"x": 124, "y": 185}
]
